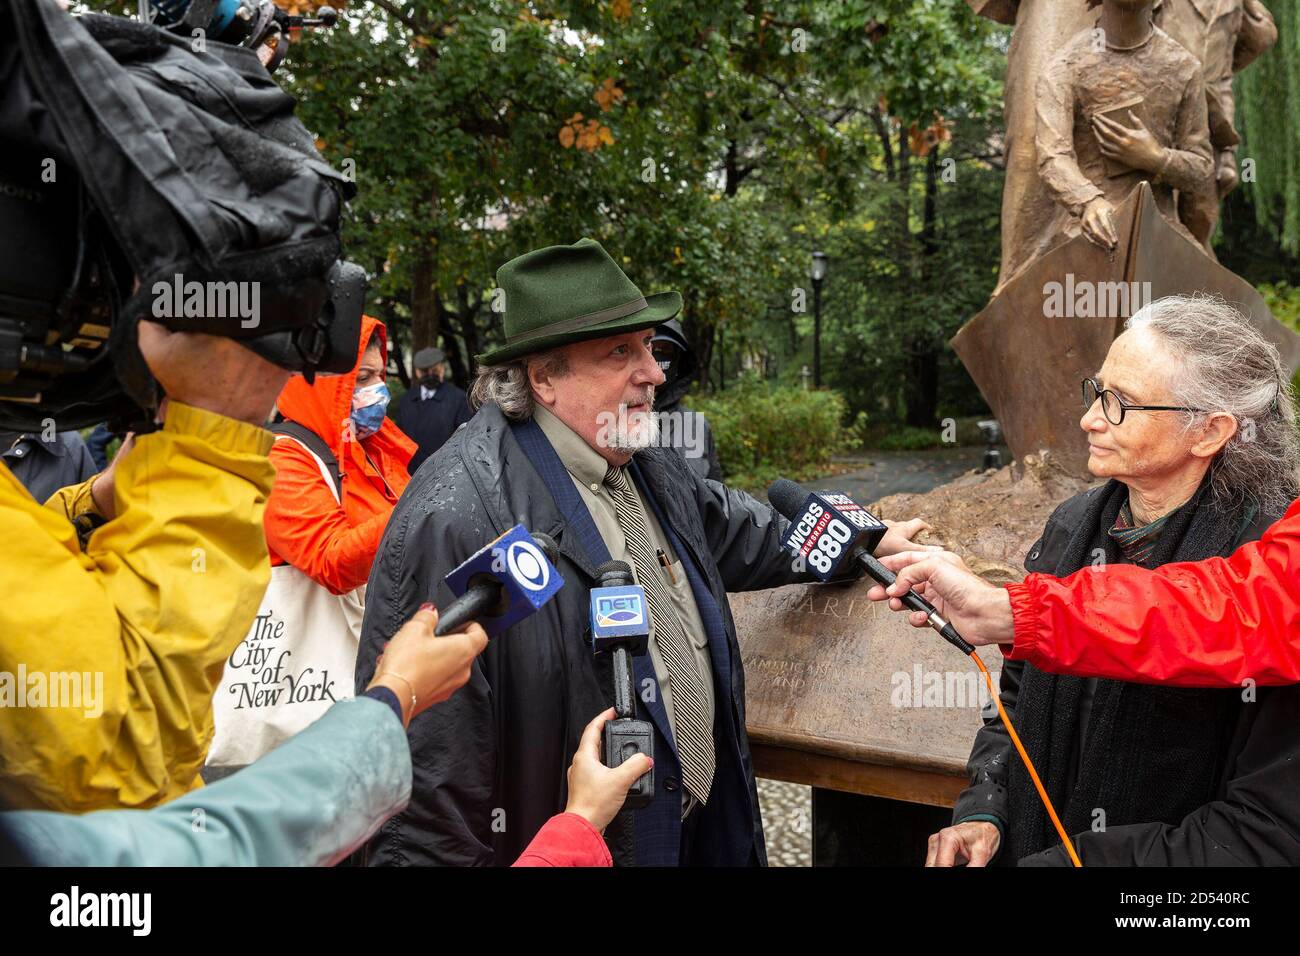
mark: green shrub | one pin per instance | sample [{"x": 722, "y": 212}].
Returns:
[
  {"x": 948, "y": 432},
  {"x": 767, "y": 433},
  {"x": 1284, "y": 300},
  {"x": 908, "y": 438}
]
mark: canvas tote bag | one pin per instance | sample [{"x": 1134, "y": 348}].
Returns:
[{"x": 298, "y": 657}]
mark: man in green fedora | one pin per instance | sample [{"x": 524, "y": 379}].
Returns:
[{"x": 564, "y": 442}]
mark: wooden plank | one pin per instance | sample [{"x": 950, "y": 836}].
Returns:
[{"x": 850, "y": 776}]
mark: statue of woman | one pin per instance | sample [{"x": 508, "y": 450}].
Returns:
[{"x": 1117, "y": 105}]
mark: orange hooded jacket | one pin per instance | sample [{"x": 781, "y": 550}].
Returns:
[{"x": 334, "y": 544}]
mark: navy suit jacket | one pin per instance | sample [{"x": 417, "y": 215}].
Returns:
[
  {"x": 430, "y": 422},
  {"x": 725, "y": 833}
]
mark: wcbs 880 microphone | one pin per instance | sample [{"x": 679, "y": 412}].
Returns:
[
  {"x": 620, "y": 625},
  {"x": 828, "y": 530},
  {"x": 502, "y": 583}
]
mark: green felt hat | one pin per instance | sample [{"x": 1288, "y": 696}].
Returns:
[{"x": 564, "y": 294}]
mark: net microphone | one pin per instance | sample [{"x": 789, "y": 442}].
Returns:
[{"x": 620, "y": 625}]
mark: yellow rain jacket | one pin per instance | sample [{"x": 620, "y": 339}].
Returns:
[{"x": 148, "y": 612}]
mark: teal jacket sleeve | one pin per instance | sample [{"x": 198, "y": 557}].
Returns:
[{"x": 309, "y": 802}]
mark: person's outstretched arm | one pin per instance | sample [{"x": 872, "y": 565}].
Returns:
[
  {"x": 1216, "y": 622},
  {"x": 309, "y": 802},
  {"x": 1211, "y": 623}
]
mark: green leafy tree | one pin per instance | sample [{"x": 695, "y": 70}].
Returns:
[{"x": 1268, "y": 116}]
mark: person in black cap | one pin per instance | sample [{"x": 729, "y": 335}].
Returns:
[
  {"x": 433, "y": 408},
  {"x": 685, "y": 431},
  {"x": 46, "y": 466}
]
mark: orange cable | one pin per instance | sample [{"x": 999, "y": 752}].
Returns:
[{"x": 1029, "y": 764}]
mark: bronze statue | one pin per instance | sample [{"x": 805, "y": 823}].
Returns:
[
  {"x": 1121, "y": 196},
  {"x": 1041, "y": 26},
  {"x": 1118, "y": 104},
  {"x": 1218, "y": 32},
  {"x": 1226, "y": 36}
]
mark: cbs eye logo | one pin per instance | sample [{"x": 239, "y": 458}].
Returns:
[{"x": 528, "y": 565}]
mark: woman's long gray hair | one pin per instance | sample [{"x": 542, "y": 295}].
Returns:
[{"x": 1225, "y": 365}]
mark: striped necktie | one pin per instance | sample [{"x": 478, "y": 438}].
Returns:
[{"x": 692, "y": 730}]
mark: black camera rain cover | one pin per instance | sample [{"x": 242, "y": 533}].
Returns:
[{"x": 194, "y": 160}]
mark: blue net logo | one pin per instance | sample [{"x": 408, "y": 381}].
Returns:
[{"x": 620, "y": 611}]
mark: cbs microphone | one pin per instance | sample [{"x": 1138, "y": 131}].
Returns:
[
  {"x": 502, "y": 583},
  {"x": 826, "y": 530},
  {"x": 620, "y": 626}
]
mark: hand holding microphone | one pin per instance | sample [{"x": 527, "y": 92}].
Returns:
[
  {"x": 501, "y": 584},
  {"x": 596, "y": 791},
  {"x": 422, "y": 670},
  {"x": 828, "y": 530},
  {"x": 982, "y": 611}
]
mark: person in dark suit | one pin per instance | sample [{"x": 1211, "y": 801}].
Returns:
[
  {"x": 432, "y": 409},
  {"x": 692, "y": 438}
]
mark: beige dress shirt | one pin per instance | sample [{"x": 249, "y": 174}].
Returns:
[{"x": 587, "y": 469}]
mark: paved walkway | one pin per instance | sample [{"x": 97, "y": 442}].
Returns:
[
  {"x": 880, "y": 473},
  {"x": 787, "y": 807}
]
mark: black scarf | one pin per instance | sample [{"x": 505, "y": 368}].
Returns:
[{"x": 1151, "y": 753}]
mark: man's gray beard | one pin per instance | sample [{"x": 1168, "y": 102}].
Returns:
[{"x": 644, "y": 435}]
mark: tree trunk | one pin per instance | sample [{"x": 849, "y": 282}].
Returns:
[
  {"x": 395, "y": 354},
  {"x": 426, "y": 307},
  {"x": 384, "y": 311},
  {"x": 462, "y": 327},
  {"x": 922, "y": 388},
  {"x": 722, "y": 358},
  {"x": 699, "y": 336}
]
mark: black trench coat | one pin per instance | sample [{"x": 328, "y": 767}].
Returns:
[{"x": 490, "y": 764}]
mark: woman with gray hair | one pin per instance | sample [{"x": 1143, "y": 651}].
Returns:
[{"x": 1192, "y": 424}]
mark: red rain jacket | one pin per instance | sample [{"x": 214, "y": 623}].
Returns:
[
  {"x": 566, "y": 839},
  {"x": 1211, "y": 623},
  {"x": 334, "y": 544}
]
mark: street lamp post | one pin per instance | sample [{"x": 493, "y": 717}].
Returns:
[{"x": 818, "y": 273}]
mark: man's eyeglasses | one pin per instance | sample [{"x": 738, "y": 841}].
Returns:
[{"x": 1114, "y": 407}]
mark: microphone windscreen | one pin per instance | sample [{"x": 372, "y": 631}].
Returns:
[
  {"x": 787, "y": 497},
  {"x": 548, "y": 546},
  {"x": 614, "y": 574}
]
